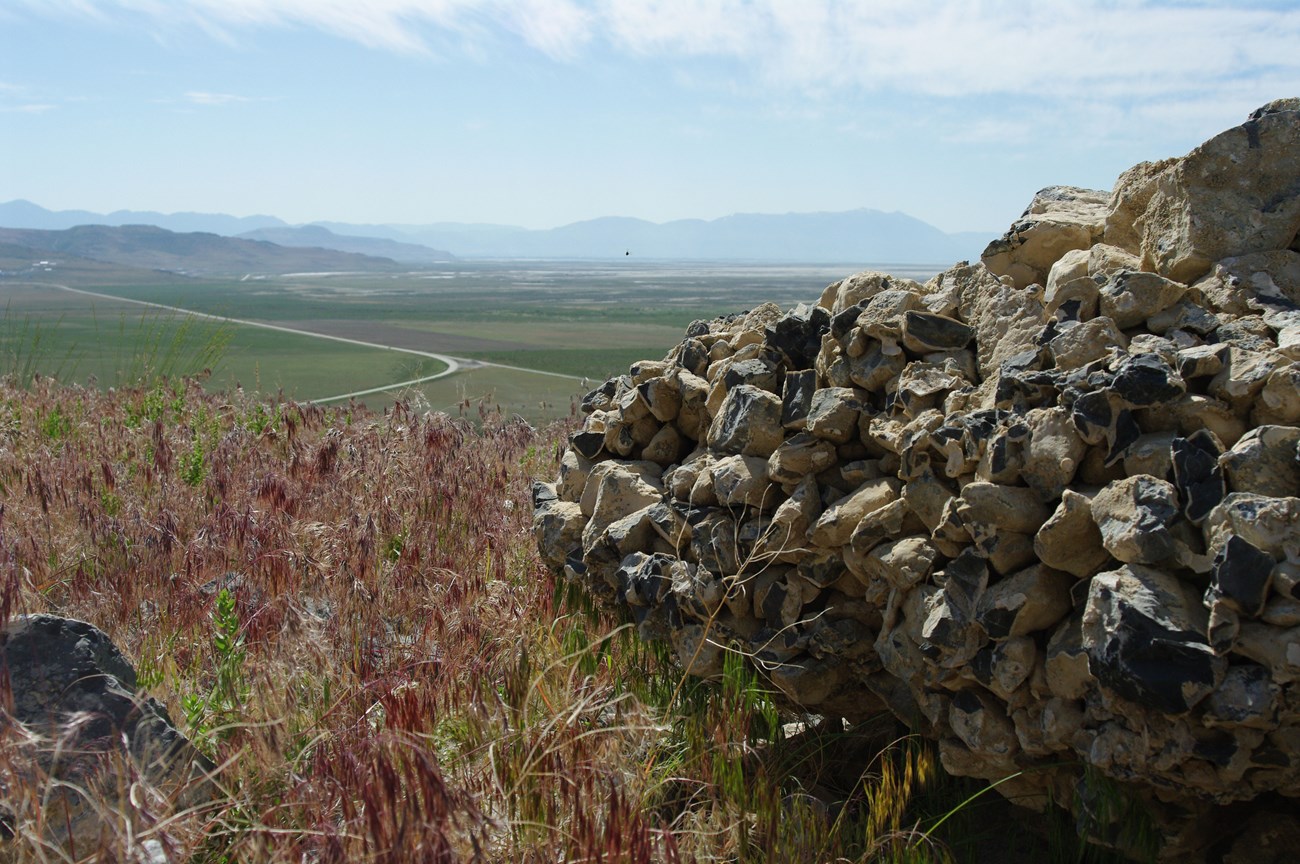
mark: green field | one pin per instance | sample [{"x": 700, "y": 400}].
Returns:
[
  {"x": 579, "y": 321},
  {"x": 79, "y": 340}
]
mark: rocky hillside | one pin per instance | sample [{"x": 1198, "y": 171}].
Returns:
[{"x": 1043, "y": 508}]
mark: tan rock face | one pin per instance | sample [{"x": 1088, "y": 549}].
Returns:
[
  {"x": 1050, "y": 527},
  {"x": 1058, "y": 220},
  {"x": 1237, "y": 193}
]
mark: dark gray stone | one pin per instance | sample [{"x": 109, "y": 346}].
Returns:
[
  {"x": 1143, "y": 380},
  {"x": 693, "y": 356},
  {"x": 844, "y": 321},
  {"x": 1093, "y": 416},
  {"x": 602, "y": 397},
  {"x": 924, "y": 331},
  {"x": 875, "y": 370},
  {"x": 798, "y": 335},
  {"x": 833, "y": 414},
  {"x": 588, "y": 444},
  {"x": 755, "y": 371},
  {"x": 796, "y": 398},
  {"x": 1145, "y": 635},
  {"x": 1241, "y": 575},
  {"x": 1246, "y": 698},
  {"x": 749, "y": 422},
  {"x": 645, "y": 580},
  {"x": 74, "y": 689},
  {"x": 1126, "y": 433},
  {"x": 1197, "y": 474},
  {"x": 1184, "y": 315},
  {"x": 543, "y": 492}
]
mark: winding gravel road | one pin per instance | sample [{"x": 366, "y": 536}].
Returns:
[{"x": 454, "y": 364}]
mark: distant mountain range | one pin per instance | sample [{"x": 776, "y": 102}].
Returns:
[
  {"x": 24, "y": 214},
  {"x": 853, "y": 237},
  {"x": 195, "y": 253}
]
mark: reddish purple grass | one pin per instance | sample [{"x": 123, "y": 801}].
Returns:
[{"x": 415, "y": 690}]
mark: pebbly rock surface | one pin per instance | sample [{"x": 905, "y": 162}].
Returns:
[
  {"x": 1045, "y": 508},
  {"x": 82, "y": 747}
]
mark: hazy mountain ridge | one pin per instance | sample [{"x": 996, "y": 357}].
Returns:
[
  {"x": 320, "y": 237},
  {"x": 855, "y": 236},
  {"x": 24, "y": 214},
  {"x": 148, "y": 246}
]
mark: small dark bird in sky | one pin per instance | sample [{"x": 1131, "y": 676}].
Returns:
[{"x": 628, "y": 252}]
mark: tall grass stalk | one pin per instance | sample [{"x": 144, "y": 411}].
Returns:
[
  {"x": 26, "y": 351},
  {"x": 155, "y": 346}
]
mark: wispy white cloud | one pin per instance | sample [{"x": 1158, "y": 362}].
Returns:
[
  {"x": 557, "y": 28},
  {"x": 198, "y": 97},
  {"x": 952, "y": 49},
  {"x": 1057, "y": 49},
  {"x": 21, "y": 99}
]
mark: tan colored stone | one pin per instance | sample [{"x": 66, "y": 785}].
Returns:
[
  {"x": 836, "y": 524},
  {"x": 1280, "y": 396},
  {"x": 748, "y": 423},
  {"x": 557, "y": 527},
  {"x": 1238, "y": 285},
  {"x": 1128, "y": 201},
  {"x": 1150, "y": 454},
  {"x": 663, "y": 396},
  {"x": 1129, "y": 297},
  {"x": 991, "y": 508},
  {"x": 799, "y": 456},
  {"x": 574, "y": 470},
  {"x": 1266, "y": 461},
  {"x": 1067, "y": 663},
  {"x": 1134, "y": 515},
  {"x": 665, "y": 447},
  {"x": 693, "y": 416},
  {"x": 1059, "y": 219},
  {"x": 1070, "y": 540},
  {"x": 1230, "y": 196},
  {"x": 861, "y": 287},
  {"x": 1070, "y": 282},
  {"x": 1051, "y": 457},
  {"x": 1270, "y": 524},
  {"x": 1007, "y": 321},
  {"x": 743, "y": 480},
  {"x": 1025, "y": 602}
]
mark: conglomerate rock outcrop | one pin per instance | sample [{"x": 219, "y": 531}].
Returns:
[{"x": 1045, "y": 508}]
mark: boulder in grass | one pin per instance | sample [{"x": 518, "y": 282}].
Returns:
[{"x": 82, "y": 739}]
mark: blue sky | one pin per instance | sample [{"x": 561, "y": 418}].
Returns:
[{"x": 544, "y": 112}]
